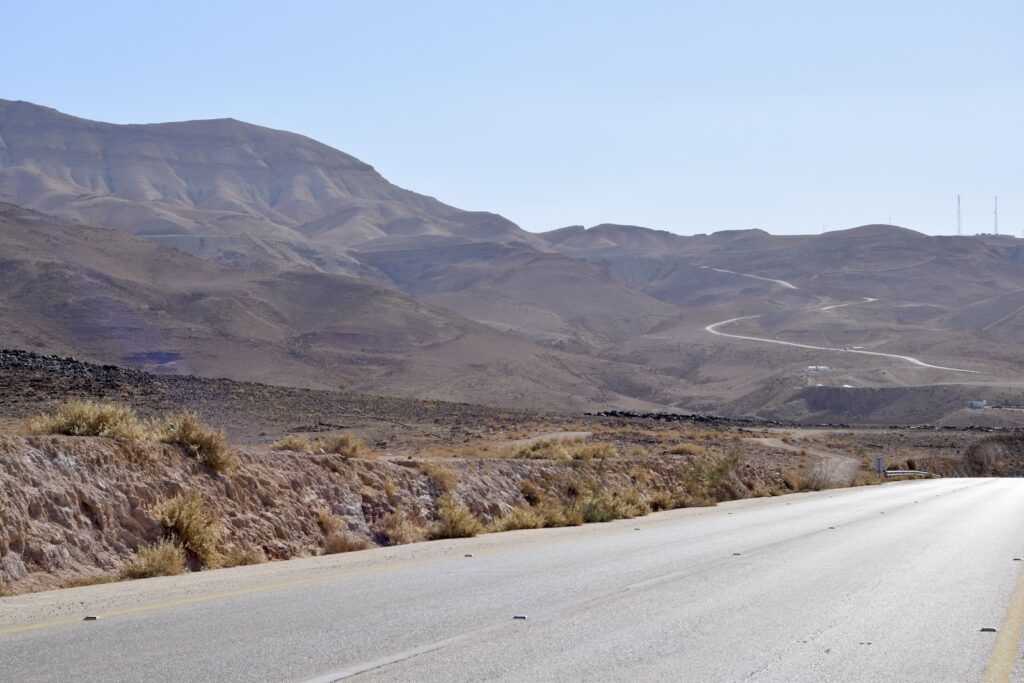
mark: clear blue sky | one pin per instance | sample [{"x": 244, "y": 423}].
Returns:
[{"x": 685, "y": 116}]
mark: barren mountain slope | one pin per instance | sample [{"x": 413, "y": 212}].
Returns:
[
  {"x": 550, "y": 298},
  {"x": 221, "y": 188},
  {"x": 880, "y": 261},
  {"x": 252, "y": 197},
  {"x": 107, "y": 297}
]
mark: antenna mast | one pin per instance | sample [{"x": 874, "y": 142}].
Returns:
[
  {"x": 995, "y": 215},
  {"x": 959, "y": 232}
]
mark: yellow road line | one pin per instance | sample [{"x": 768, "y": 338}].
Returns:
[
  {"x": 218, "y": 596},
  {"x": 1000, "y": 664},
  {"x": 265, "y": 588}
]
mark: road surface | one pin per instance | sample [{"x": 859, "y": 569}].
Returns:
[{"x": 886, "y": 583}]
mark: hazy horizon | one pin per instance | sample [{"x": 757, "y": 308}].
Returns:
[{"x": 793, "y": 118}]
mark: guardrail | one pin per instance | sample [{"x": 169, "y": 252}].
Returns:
[{"x": 911, "y": 473}]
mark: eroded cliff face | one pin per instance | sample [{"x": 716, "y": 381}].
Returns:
[{"x": 79, "y": 507}]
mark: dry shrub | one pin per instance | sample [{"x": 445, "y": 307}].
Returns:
[
  {"x": 519, "y": 518},
  {"x": 531, "y": 492},
  {"x": 193, "y": 524},
  {"x": 868, "y": 479},
  {"x": 605, "y": 506},
  {"x": 391, "y": 492},
  {"x": 556, "y": 515},
  {"x": 663, "y": 500},
  {"x": 552, "y": 512},
  {"x": 240, "y": 556},
  {"x": 166, "y": 558},
  {"x": 76, "y": 417},
  {"x": 443, "y": 479},
  {"x": 296, "y": 443},
  {"x": 205, "y": 444},
  {"x": 637, "y": 452},
  {"x": 344, "y": 542},
  {"x": 454, "y": 520},
  {"x": 561, "y": 449},
  {"x": 794, "y": 481},
  {"x": 591, "y": 451},
  {"x": 349, "y": 446},
  {"x": 328, "y": 523},
  {"x": 397, "y": 529},
  {"x": 820, "y": 477},
  {"x": 687, "y": 449},
  {"x": 89, "y": 581}
]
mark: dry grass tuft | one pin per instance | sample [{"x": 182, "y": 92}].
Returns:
[
  {"x": 76, "y": 417},
  {"x": 194, "y": 525},
  {"x": 687, "y": 449},
  {"x": 349, "y": 446},
  {"x": 89, "y": 581},
  {"x": 166, "y": 558},
  {"x": 345, "y": 542},
  {"x": 391, "y": 492},
  {"x": 328, "y": 523},
  {"x": 442, "y": 478},
  {"x": 794, "y": 481},
  {"x": 519, "y": 518},
  {"x": 206, "y": 444},
  {"x": 561, "y": 449},
  {"x": 606, "y": 506},
  {"x": 296, "y": 443},
  {"x": 454, "y": 520},
  {"x": 637, "y": 452},
  {"x": 398, "y": 529},
  {"x": 241, "y": 556}
]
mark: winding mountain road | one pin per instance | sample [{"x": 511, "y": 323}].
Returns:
[{"x": 713, "y": 329}]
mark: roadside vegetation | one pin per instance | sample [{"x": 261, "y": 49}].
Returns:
[
  {"x": 77, "y": 417},
  {"x": 571, "y": 474},
  {"x": 166, "y": 558},
  {"x": 193, "y": 524}
]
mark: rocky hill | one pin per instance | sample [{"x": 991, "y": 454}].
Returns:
[{"x": 316, "y": 271}]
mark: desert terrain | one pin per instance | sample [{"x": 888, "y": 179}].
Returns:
[
  {"x": 223, "y": 249},
  {"x": 77, "y": 509},
  {"x": 242, "y": 327}
]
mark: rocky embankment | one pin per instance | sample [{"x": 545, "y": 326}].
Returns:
[{"x": 79, "y": 507}]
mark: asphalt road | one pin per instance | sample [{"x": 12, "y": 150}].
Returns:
[{"x": 887, "y": 583}]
